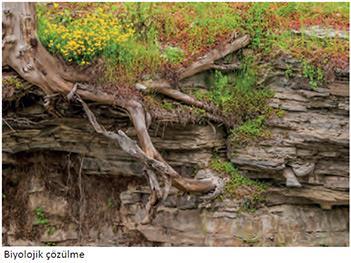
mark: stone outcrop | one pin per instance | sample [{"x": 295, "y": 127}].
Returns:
[
  {"x": 310, "y": 140},
  {"x": 181, "y": 222},
  {"x": 92, "y": 193}
]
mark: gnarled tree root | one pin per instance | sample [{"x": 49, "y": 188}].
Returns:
[
  {"x": 152, "y": 160},
  {"x": 23, "y": 52}
]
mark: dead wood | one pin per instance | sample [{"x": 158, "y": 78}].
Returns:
[
  {"x": 152, "y": 160},
  {"x": 206, "y": 62},
  {"x": 165, "y": 88},
  {"x": 150, "y": 157}
]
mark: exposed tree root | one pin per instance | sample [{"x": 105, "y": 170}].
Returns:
[
  {"x": 165, "y": 88},
  {"x": 23, "y": 52},
  {"x": 150, "y": 157}
]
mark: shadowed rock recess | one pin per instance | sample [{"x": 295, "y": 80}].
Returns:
[{"x": 63, "y": 184}]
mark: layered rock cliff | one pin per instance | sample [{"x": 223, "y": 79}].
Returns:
[{"x": 64, "y": 184}]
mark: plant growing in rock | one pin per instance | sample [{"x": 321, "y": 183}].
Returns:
[
  {"x": 239, "y": 187},
  {"x": 314, "y": 74},
  {"x": 40, "y": 218},
  {"x": 249, "y": 131}
]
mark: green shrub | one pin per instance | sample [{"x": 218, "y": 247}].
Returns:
[
  {"x": 82, "y": 39},
  {"x": 280, "y": 113}
]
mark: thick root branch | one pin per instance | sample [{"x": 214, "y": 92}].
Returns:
[
  {"x": 155, "y": 162},
  {"x": 150, "y": 157}
]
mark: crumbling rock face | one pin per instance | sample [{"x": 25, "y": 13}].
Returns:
[{"x": 93, "y": 193}]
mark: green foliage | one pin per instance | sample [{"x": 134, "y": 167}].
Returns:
[
  {"x": 286, "y": 10},
  {"x": 40, "y": 217},
  {"x": 327, "y": 8},
  {"x": 253, "y": 127},
  {"x": 314, "y": 74},
  {"x": 250, "y": 204},
  {"x": 241, "y": 100},
  {"x": 237, "y": 181},
  {"x": 82, "y": 39},
  {"x": 129, "y": 36},
  {"x": 313, "y": 49},
  {"x": 249, "y": 131},
  {"x": 245, "y": 78},
  {"x": 225, "y": 167},
  {"x": 248, "y": 104},
  {"x": 125, "y": 62},
  {"x": 209, "y": 21},
  {"x": 201, "y": 94},
  {"x": 220, "y": 92},
  {"x": 199, "y": 112},
  {"x": 110, "y": 203},
  {"x": 100, "y": 33},
  {"x": 141, "y": 15},
  {"x": 173, "y": 55},
  {"x": 257, "y": 24},
  {"x": 251, "y": 240}
]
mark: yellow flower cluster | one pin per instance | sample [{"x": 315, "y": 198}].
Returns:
[{"x": 82, "y": 39}]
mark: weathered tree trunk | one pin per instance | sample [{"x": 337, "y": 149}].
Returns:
[{"x": 23, "y": 52}]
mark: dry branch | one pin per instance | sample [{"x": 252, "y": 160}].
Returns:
[
  {"x": 165, "y": 88},
  {"x": 152, "y": 160},
  {"x": 207, "y": 61}
]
